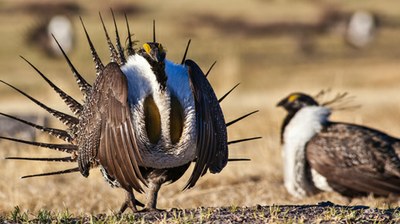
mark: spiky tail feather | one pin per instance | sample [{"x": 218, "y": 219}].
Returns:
[
  {"x": 68, "y": 120},
  {"x": 72, "y": 170},
  {"x": 61, "y": 159},
  {"x": 58, "y": 133}
]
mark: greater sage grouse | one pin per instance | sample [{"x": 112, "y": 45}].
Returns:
[
  {"x": 322, "y": 155},
  {"x": 143, "y": 121}
]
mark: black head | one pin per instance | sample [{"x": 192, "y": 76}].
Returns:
[
  {"x": 154, "y": 52},
  {"x": 296, "y": 101}
]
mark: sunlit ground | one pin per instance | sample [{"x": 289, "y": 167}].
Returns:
[{"x": 268, "y": 67}]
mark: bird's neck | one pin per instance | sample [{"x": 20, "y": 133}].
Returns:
[
  {"x": 159, "y": 71},
  {"x": 285, "y": 122}
]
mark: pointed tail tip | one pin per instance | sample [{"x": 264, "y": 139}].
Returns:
[{"x": 154, "y": 30}]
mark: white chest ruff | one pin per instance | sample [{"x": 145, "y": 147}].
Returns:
[
  {"x": 142, "y": 83},
  {"x": 303, "y": 126}
]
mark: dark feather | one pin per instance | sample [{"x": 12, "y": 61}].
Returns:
[
  {"x": 73, "y": 105},
  {"x": 73, "y": 170},
  {"x": 355, "y": 159},
  {"x": 211, "y": 67},
  {"x": 84, "y": 86},
  {"x": 61, "y": 134},
  {"x": 186, "y": 50},
  {"x": 129, "y": 48},
  {"x": 62, "y": 159},
  {"x": 226, "y": 94},
  {"x": 113, "y": 52},
  {"x": 154, "y": 31},
  {"x": 240, "y": 118},
  {"x": 58, "y": 147},
  {"x": 238, "y": 159},
  {"x": 117, "y": 151},
  {"x": 118, "y": 41},
  {"x": 243, "y": 140},
  {"x": 212, "y": 150},
  {"x": 98, "y": 64},
  {"x": 65, "y": 118}
]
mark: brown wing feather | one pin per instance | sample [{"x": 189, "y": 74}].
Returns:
[
  {"x": 117, "y": 151},
  {"x": 212, "y": 149},
  {"x": 355, "y": 159}
]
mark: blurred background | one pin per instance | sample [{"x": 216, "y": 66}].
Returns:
[{"x": 271, "y": 47}]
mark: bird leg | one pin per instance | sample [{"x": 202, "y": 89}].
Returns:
[
  {"x": 130, "y": 201},
  {"x": 152, "y": 193}
]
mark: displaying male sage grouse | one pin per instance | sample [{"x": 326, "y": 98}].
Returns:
[
  {"x": 143, "y": 121},
  {"x": 322, "y": 155}
]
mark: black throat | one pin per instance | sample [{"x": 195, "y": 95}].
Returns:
[{"x": 159, "y": 70}]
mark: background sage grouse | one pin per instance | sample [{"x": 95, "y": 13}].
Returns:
[
  {"x": 321, "y": 155},
  {"x": 143, "y": 121}
]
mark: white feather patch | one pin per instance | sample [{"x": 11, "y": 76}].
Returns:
[
  {"x": 141, "y": 78},
  {"x": 142, "y": 82},
  {"x": 320, "y": 181},
  {"x": 178, "y": 83},
  {"x": 303, "y": 126}
]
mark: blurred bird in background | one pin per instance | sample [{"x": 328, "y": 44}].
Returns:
[
  {"x": 51, "y": 19},
  {"x": 323, "y": 155}
]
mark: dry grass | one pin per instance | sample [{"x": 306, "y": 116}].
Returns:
[{"x": 269, "y": 68}]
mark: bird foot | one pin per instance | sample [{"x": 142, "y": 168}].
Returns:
[
  {"x": 130, "y": 203},
  {"x": 145, "y": 210}
]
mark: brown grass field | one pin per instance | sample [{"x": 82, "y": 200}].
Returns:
[{"x": 268, "y": 67}]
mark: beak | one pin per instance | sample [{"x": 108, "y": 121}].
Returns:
[{"x": 282, "y": 103}]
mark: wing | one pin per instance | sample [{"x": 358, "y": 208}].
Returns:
[
  {"x": 117, "y": 152},
  {"x": 355, "y": 159},
  {"x": 212, "y": 149}
]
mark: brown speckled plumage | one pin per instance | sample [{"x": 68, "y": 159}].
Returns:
[
  {"x": 103, "y": 133},
  {"x": 354, "y": 160}
]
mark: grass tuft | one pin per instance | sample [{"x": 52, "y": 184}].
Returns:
[{"x": 18, "y": 216}]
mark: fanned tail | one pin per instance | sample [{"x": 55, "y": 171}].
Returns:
[
  {"x": 186, "y": 51},
  {"x": 211, "y": 67},
  {"x": 238, "y": 159},
  {"x": 73, "y": 105},
  {"x": 66, "y": 119},
  {"x": 243, "y": 140},
  {"x": 118, "y": 41},
  {"x": 240, "y": 118},
  {"x": 73, "y": 170},
  {"x": 68, "y": 148},
  {"x": 229, "y": 92},
  {"x": 61, "y": 159},
  {"x": 98, "y": 64},
  {"x": 129, "y": 48},
  {"x": 113, "y": 52},
  {"x": 84, "y": 86},
  {"x": 58, "y": 133}
]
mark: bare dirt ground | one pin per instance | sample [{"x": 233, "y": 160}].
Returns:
[
  {"x": 324, "y": 212},
  {"x": 268, "y": 66}
]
